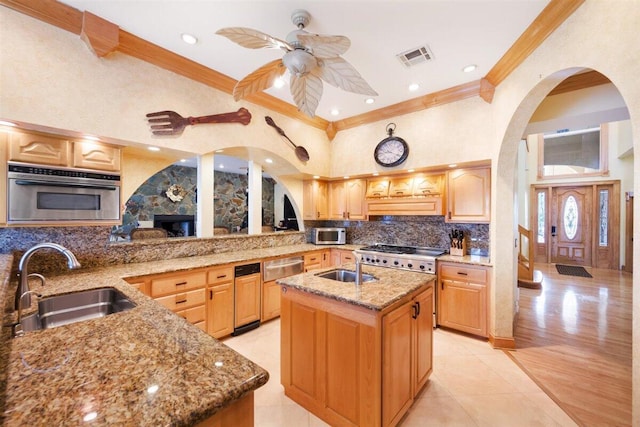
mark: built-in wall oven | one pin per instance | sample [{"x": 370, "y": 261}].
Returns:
[{"x": 45, "y": 194}]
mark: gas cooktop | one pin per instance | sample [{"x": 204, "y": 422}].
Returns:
[{"x": 412, "y": 258}]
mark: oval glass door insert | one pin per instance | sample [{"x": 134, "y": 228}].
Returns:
[{"x": 570, "y": 217}]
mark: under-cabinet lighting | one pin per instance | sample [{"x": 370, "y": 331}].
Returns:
[{"x": 154, "y": 149}]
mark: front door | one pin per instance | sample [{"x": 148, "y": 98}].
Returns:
[{"x": 571, "y": 225}]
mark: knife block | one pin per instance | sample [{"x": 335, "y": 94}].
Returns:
[{"x": 459, "y": 251}]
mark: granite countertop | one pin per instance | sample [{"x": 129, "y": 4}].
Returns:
[
  {"x": 467, "y": 259},
  {"x": 391, "y": 286}
]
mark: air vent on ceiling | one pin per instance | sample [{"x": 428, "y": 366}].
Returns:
[{"x": 415, "y": 56}]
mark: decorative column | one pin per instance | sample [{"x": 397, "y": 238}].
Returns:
[
  {"x": 205, "y": 211},
  {"x": 255, "y": 197}
]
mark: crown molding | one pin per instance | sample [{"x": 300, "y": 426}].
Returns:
[{"x": 71, "y": 19}]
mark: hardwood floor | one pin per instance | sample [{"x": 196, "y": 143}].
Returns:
[{"x": 573, "y": 337}]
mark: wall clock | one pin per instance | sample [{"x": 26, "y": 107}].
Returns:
[{"x": 392, "y": 150}]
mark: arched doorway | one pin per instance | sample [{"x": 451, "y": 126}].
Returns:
[{"x": 506, "y": 210}]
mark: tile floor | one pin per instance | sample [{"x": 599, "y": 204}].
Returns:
[{"x": 471, "y": 385}]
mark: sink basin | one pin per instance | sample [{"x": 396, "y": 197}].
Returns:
[
  {"x": 343, "y": 275},
  {"x": 75, "y": 307}
]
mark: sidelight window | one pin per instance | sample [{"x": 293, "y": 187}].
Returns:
[
  {"x": 541, "y": 216},
  {"x": 603, "y": 233}
]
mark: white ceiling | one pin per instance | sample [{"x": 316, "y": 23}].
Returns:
[{"x": 458, "y": 32}]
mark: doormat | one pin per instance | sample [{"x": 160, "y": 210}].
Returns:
[{"x": 572, "y": 270}]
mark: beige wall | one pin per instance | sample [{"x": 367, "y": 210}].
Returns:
[{"x": 112, "y": 95}]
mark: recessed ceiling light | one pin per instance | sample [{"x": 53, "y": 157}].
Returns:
[
  {"x": 376, "y": 174},
  {"x": 369, "y": 101},
  {"x": 411, "y": 170},
  {"x": 219, "y": 151},
  {"x": 91, "y": 138},
  {"x": 189, "y": 38},
  {"x": 453, "y": 165},
  {"x": 335, "y": 111},
  {"x": 268, "y": 160},
  {"x": 316, "y": 176},
  {"x": 3, "y": 123},
  {"x": 414, "y": 87},
  {"x": 469, "y": 68},
  {"x": 278, "y": 83},
  {"x": 153, "y": 149},
  {"x": 346, "y": 177}
]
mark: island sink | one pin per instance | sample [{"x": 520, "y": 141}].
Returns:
[
  {"x": 343, "y": 275},
  {"x": 59, "y": 310}
]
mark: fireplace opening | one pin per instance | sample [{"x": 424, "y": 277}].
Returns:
[{"x": 176, "y": 225}]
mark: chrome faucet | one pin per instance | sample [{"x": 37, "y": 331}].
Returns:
[
  {"x": 358, "y": 258},
  {"x": 23, "y": 286}
]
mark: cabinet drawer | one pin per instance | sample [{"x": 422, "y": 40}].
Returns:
[
  {"x": 179, "y": 283},
  {"x": 315, "y": 258},
  {"x": 467, "y": 274},
  {"x": 183, "y": 300},
  {"x": 220, "y": 275},
  {"x": 193, "y": 315}
]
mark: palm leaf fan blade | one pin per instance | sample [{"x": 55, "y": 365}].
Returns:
[
  {"x": 253, "y": 39},
  {"x": 306, "y": 91},
  {"x": 339, "y": 73},
  {"x": 325, "y": 46},
  {"x": 259, "y": 80}
]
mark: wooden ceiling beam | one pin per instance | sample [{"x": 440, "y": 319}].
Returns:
[
  {"x": 580, "y": 81},
  {"x": 100, "y": 35}
]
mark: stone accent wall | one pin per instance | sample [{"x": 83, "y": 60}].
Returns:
[
  {"x": 230, "y": 199},
  {"x": 430, "y": 231}
]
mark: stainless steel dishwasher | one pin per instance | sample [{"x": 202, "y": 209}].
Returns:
[{"x": 283, "y": 267}]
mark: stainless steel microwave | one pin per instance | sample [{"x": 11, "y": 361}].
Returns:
[
  {"x": 329, "y": 236},
  {"x": 44, "y": 194}
]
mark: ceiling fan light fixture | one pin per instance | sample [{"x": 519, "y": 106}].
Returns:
[{"x": 299, "y": 62}]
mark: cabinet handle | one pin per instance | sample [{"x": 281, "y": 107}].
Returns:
[
  {"x": 415, "y": 312},
  {"x": 442, "y": 285},
  {"x": 462, "y": 273},
  {"x": 181, "y": 283},
  {"x": 418, "y": 308},
  {"x": 449, "y": 214},
  {"x": 210, "y": 294},
  {"x": 318, "y": 215},
  {"x": 182, "y": 301},
  {"x": 221, "y": 277}
]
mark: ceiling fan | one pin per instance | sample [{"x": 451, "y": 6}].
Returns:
[{"x": 310, "y": 58}]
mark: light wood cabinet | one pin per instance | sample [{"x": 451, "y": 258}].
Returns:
[
  {"x": 4, "y": 139},
  {"x": 317, "y": 260},
  {"x": 406, "y": 206},
  {"x": 239, "y": 414},
  {"x": 183, "y": 293},
  {"x": 270, "y": 300},
  {"x": 247, "y": 299},
  {"x": 340, "y": 257},
  {"x": 401, "y": 187},
  {"x": 353, "y": 366},
  {"x": 91, "y": 155},
  {"x": 463, "y": 297},
  {"x": 315, "y": 200},
  {"x": 50, "y": 150},
  {"x": 40, "y": 149},
  {"x": 469, "y": 195},
  {"x": 428, "y": 185},
  {"x": 220, "y": 301},
  {"x": 417, "y": 194},
  {"x": 377, "y": 188},
  {"x": 346, "y": 200},
  {"x": 407, "y": 330}
]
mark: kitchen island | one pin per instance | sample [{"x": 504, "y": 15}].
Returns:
[{"x": 357, "y": 355}]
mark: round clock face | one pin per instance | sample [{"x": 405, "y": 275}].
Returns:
[{"x": 391, "y": 151}]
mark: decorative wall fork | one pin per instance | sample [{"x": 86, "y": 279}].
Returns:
[{"x": 167, "y": 123}]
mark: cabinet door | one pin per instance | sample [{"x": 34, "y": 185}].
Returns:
[
  {"x": 322, "y": 200},
  {"x": 346, "y": 257},
  {"x": 423, "y": 339},
  {"x": 430, "y": 185},
  {"x": 34, "y": 148},
  {"x": 469, "y": 195},
  {"x": 247, "y": 295},
  {"x": 337, "y": 200},
  {"x": 220, "y": 310},
  {"x": 270, "y": 300},
  {"x": 315, "y": 202},
  {"x": 313, "y": 261},
  {"x": 92, "y": 155},
  {"x": 463, "y": 306},
  {"x": 355, "y": 203},
  {"x": 401, "y": 187},
  {"x": 377, "y": 188},
  {"x": 336, "y": 258},
  {"x": 397, "y": 369}
]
